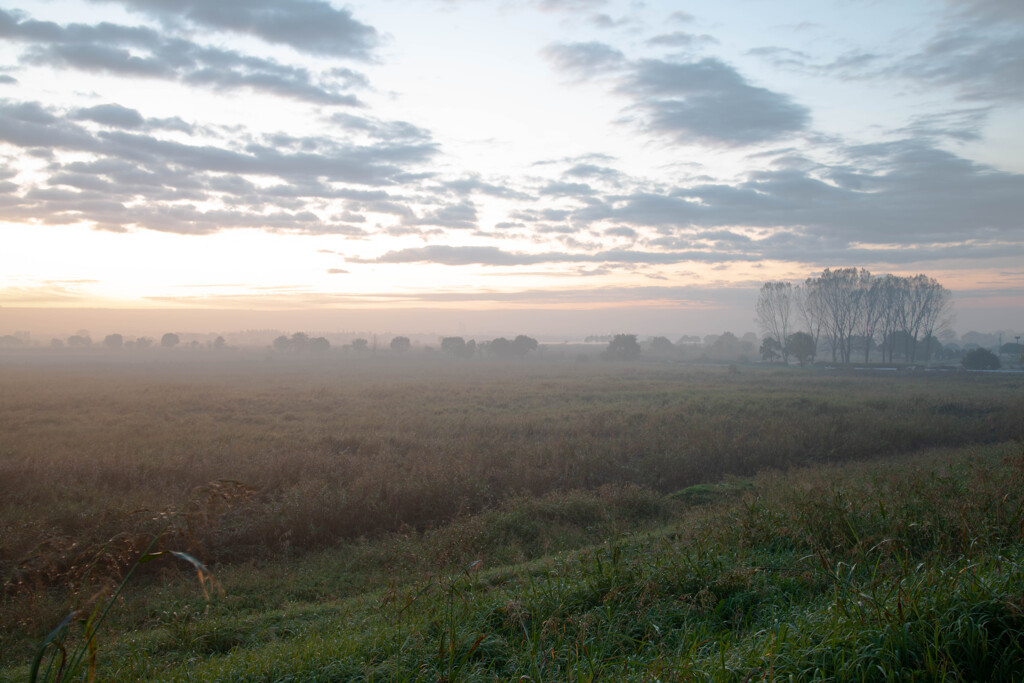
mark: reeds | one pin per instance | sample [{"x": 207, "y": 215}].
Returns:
[
  {"x": 342, "y": 454},
  {"x": 96, "y": 576},
  {"x": 506, "y": 463}
]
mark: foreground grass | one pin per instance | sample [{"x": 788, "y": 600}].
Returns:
[{"x": 904, "y": 568}]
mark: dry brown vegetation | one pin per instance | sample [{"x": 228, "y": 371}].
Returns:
[
  {"x": 95, "y": 457},
  {"x": 343, "y": 450}
]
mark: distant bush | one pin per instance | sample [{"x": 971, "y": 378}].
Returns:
[
  {"x": 622, "y": 347},
  {"x": 801, "y": 346},
  {"x": 458, "y": 347},
  {"x": 980, "y": 359}
]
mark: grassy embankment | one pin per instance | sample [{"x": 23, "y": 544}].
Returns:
[{"x": 372, "y": 486}]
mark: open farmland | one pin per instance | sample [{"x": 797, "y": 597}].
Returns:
[{"x": 352, "y": 477}]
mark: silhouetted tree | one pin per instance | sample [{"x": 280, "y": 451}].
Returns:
[
  {"x": 770, "y": 349},
  {"x": 661, "y": 346},
  {"x": 299, "y": 342},
  {"x": 1011, "y": 349},
  {"x": 319, "y": 345},
  {"x": 360, "y": 345},
  {"x": 802, "y": 347},
  {"x": 219, "y": 343},
  {"x": 851, "y": 308},
  {"x": 928, "y": 348},
  {"x": 79, "y": 340},
  {"x": 726, "y": 344},
  {"x": 522, "y": 345},
  {"x": 113, "y": 341},
  {"x": 459, "y": 347},
  {"x": 453, "y": 345},
  {"x": 622, "y": 347},
  {"x": 400, "y": 344},
  {"x": 774, "y": 309},
  {"x": 980, "y": 359},
  {"x": 897, "y": 344},
  {"x": 282, "y": 343},
  {"x": 169, "y": 340},
  {"x": 500, "y": 347}
]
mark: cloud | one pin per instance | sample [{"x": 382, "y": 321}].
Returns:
[
  {"x": 381, "y": 130},
  {"x": 493, "y": 256},
  {"x": 885, "y": 199},
  {"x": 560, "y": 189},
  {"x": 311, "y": 26},
  {"x": 473, "y": 183},
  {"x": 979, "y": 53},
  {"x": 706, "y": 101},
  {"x": 961, "y": 124},
  {"x": 592, "y": 171},
  {"x": 145, "y": 53},
  {"x": 165, "y": 180},
  {"x": 681, "y": 39},
  {"x": 710, "y": 102},
  {"x": 681, "y": 17},
  {"x": 461, "y": 216},
  {"x": 852, "y": 65},
  {"x": 622, "y": 231},
  {"x": 605, "y": 21},
  {"x": 568, "y": 5},
  {"x": 113, "y": 115},
  {"x": 584, "y": 60}
]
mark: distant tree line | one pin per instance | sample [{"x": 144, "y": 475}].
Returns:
[
  {"x": 300, "y": 342},
  {"x": 850, "y": 311},
  {"x": 501, "y": 347}
]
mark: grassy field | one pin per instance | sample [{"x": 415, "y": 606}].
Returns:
[{"x": 646, "y": 521}]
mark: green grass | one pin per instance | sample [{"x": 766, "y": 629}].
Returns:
[{"x": 868, "y": 571}]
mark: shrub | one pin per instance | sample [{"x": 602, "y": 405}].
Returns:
[{"x": 980, "y": 359}]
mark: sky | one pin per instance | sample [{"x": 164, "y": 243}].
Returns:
[{"x": 553, "y": 165}]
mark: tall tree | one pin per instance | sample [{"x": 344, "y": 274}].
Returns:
[
  {"x": 891, "y": 291},
  {"x": 847, "y": 304},
  {"x": 928, "y": 304},
  {"x": 810, "y": 306},
  {"x": 774, "y": 308},
  {"x": 840, "y": 291}
]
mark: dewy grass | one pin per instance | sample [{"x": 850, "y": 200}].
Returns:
[
  {"x": 62, "y": 665},
  {"x": 747, "y": 589},
  {"x": 61, "y": 656}
]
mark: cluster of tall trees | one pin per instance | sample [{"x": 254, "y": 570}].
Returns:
[
  {"x": 500, "y": 347},
  {"x": 849, "y": 311},
  {"x": 300, "y": 342}
]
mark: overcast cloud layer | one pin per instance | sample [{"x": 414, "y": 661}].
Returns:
[{"x": 598, "y": 140}]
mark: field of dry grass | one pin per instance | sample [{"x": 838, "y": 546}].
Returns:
[
  {"x": 350, "y": 449},
  {"x": 328, "y": 452}
]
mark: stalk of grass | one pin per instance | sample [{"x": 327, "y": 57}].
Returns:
[
  {"x": 200, "y": 514},
  {"x": 70, "y": 666}
]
